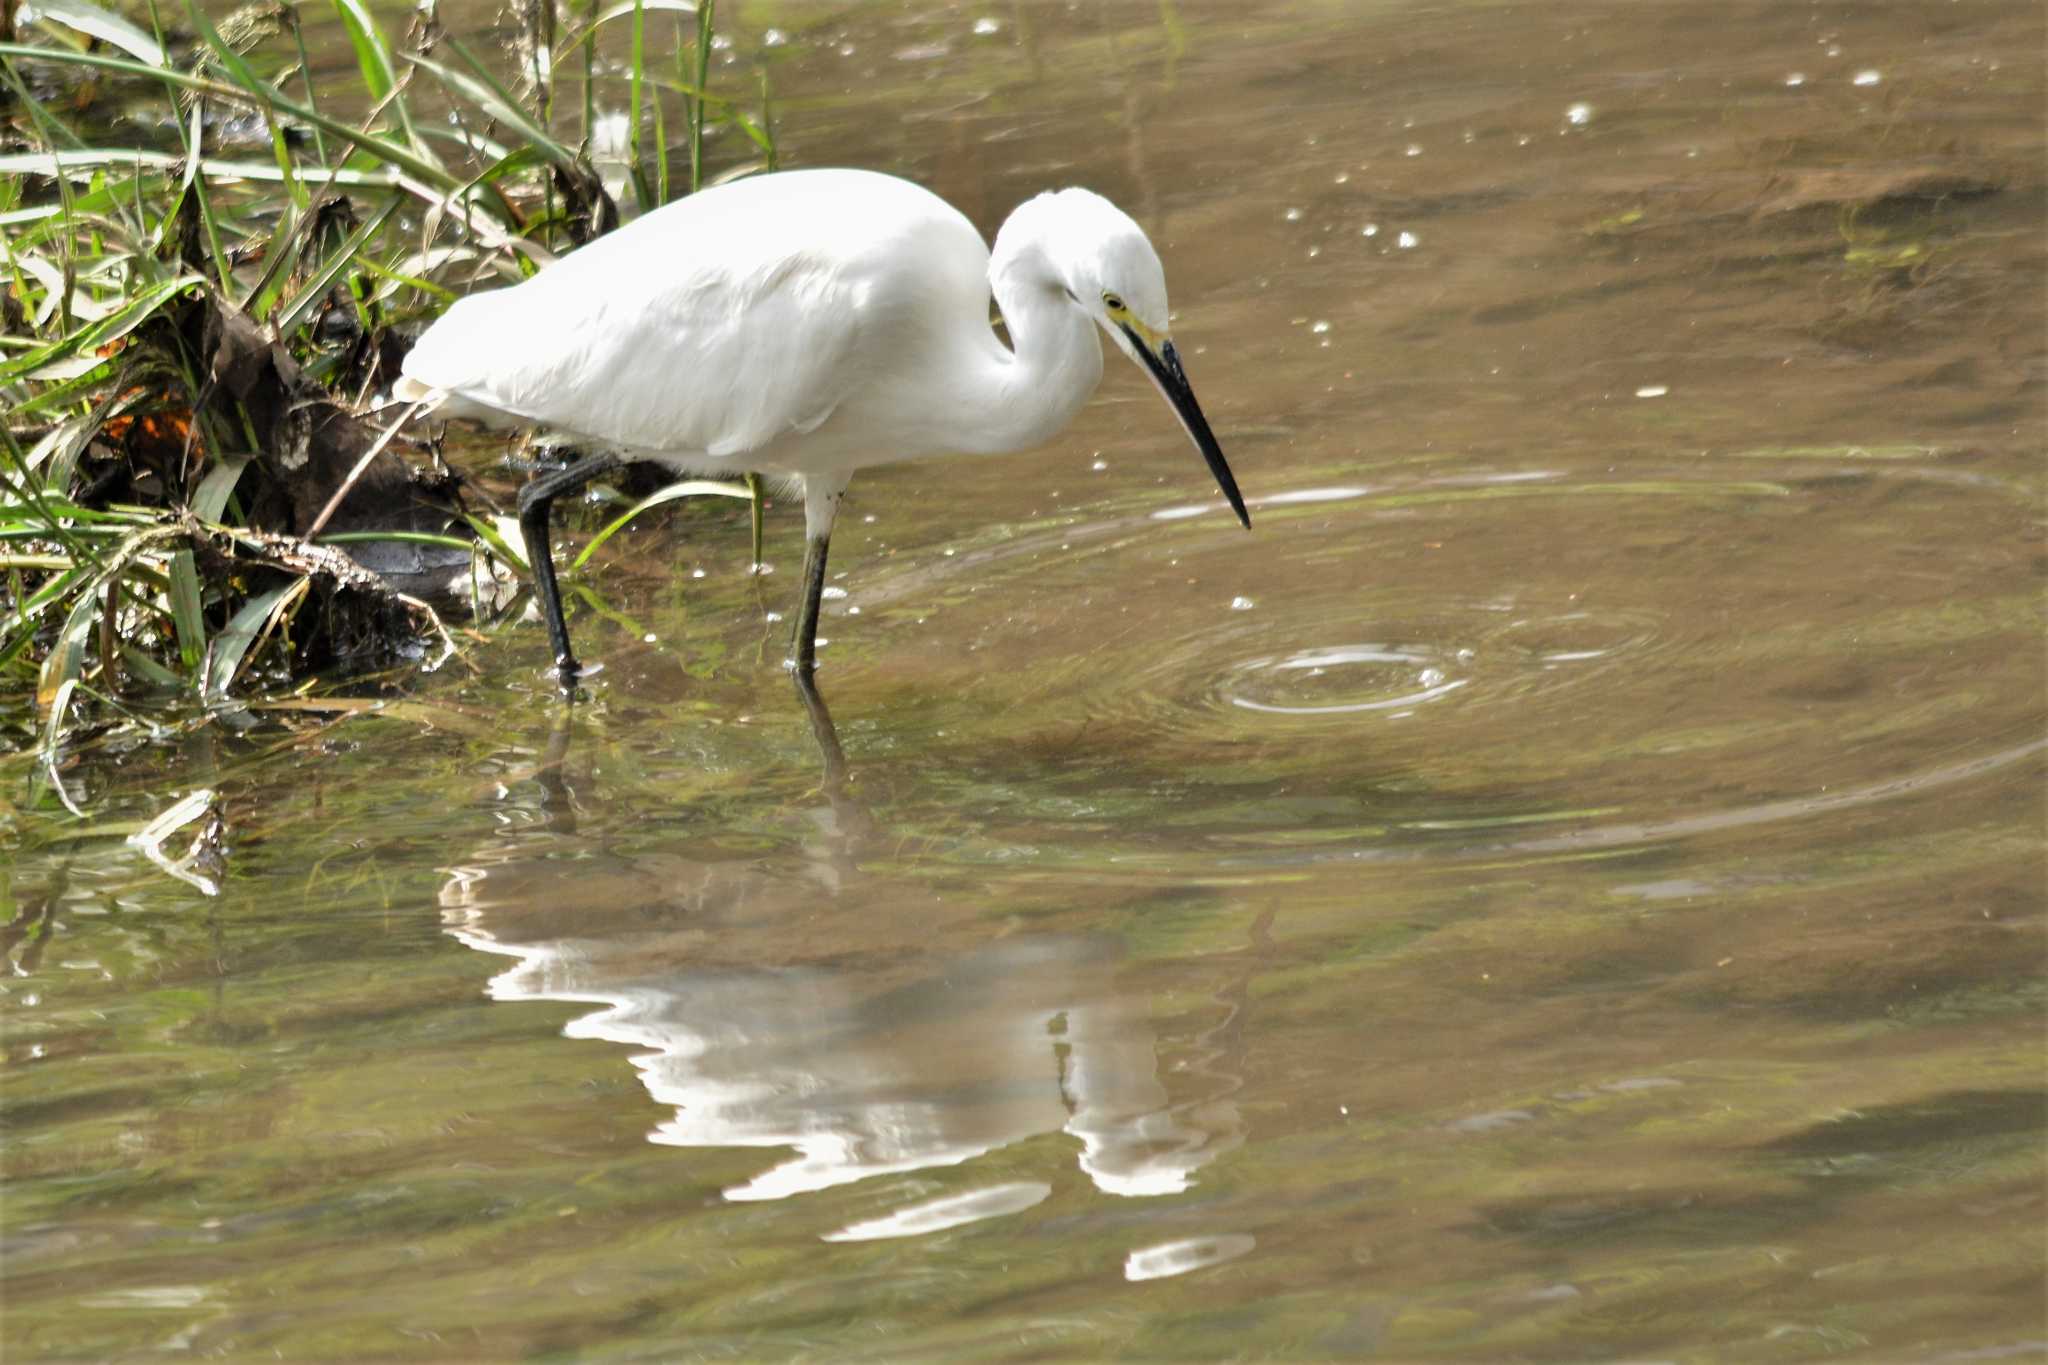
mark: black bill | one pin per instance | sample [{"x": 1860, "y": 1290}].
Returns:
[{"x": 1172, "y": 381}]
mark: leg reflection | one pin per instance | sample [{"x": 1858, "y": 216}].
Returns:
[{"x": 813, "y": 996}]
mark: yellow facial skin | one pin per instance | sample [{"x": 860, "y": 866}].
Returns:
[{"x": 1122, "y": 316}]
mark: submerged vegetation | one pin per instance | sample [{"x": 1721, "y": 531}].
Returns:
[{"x": 212, "y": 252}]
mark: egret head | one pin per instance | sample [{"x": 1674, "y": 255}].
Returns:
[
  {"x": 1101, "y": 260},
  {"x": 1107, "y": 266}
]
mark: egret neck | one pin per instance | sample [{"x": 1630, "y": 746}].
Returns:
[{"x": 1032, "y": 389}]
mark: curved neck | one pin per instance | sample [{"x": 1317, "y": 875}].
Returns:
[{"x": 1030, "y": 391}]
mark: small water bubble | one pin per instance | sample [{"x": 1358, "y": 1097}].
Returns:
[
  {"x": 984, "y": 27},
  {"x": 1412, "y": 149},
  {"x": 846, "y": 49},
  {"x": 1343, "y": 178},
  {"x": 1319, "y": 327},
  {"x": 1099, "y": 466},
  {"x": 853, "y": 611},
  {"x": 771, "y": 617},
  {"x": 1797, "y": 78},
  {"x": 1867, "y": 78},
  {"x": 1369, "y": 230},
  {"x": 833, "y": 594},
  {"x": 1314, "y": 252},
  {"x": 721, "y": 42},
  {"x": 868, "y": 520},
  {"x": 1522, "y": 140},
  {"x": 696, "y": 573},
  {"x": 774, "y": 37},
  {"x": 648, "y": 638},
  {"x": 1407, "y": 241},
  {"x": 1834, "y": 49},
  {"x": 1292, "y": 215},
  {"x": 1653, "y": 390},
  {"x": 1241, "y": 604},
  {"x": 1579, "y": 115},
  {"x": 948, "y": 553}
]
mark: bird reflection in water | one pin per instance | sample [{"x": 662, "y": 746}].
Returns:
[{"x": 908, "y": 1048}]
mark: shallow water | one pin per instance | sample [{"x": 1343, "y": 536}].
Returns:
[{"x": 1567, "y": 885}]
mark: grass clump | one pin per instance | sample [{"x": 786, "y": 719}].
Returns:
[{"x": 199, "y": 297}]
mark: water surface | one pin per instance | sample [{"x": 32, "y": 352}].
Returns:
[{"x": 1566, "y": 885}]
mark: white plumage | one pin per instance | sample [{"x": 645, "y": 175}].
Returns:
[{"x": 806, "y": 324}]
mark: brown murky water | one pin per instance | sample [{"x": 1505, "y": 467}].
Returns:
[{"x": 1568, "y": 885}]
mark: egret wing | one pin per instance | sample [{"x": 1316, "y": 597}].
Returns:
[{"x": 671, "y": 335}]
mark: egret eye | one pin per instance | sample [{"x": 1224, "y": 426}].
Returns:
[{"x": 1112, "y": 303}]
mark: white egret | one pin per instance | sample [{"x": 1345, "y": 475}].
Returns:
[{"x": 805, "y": 325}]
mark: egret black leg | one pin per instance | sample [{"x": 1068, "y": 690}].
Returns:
[
  {"x": 821, "y": 508},
  {"x": 534, "y": 501},
  {"x": 815, "y": 548}
]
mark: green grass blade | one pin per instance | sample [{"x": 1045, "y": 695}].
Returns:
[
  {"x": 147, "y": 668},
  {"x": 27, "y": 613},
  {"x": 374, "y": 54},
  {"x": 187, "y": 611},
  {"x": 705, "y": 12},
  {"x": 108, "y": 329},
  {"x": 306, "y": 79},
  {"x": 53, "y": 737},
  {"x": 231, "y": 61},
  {"x": 582, "y": 35},
  {"x": 223, "y": 272},
  {"x": 84, "y": 163},
  {"x": 373, "y": 51},
  {"x": 47, "y": 511},
  {"x": 65, "y": 663},
  {"x": 689, "y": 488},
  {"x": 108, "y": 27},
  {"x": 257, "y": 615},
  {"x": 480, "y": 90},
  {"x": 499, "y": 545},
  {"x": 218, "y": 486},
  {"x": 285, "y": 320},
  {"x": 406, "y": 537},
  {"x": 635, "y": 70}
]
